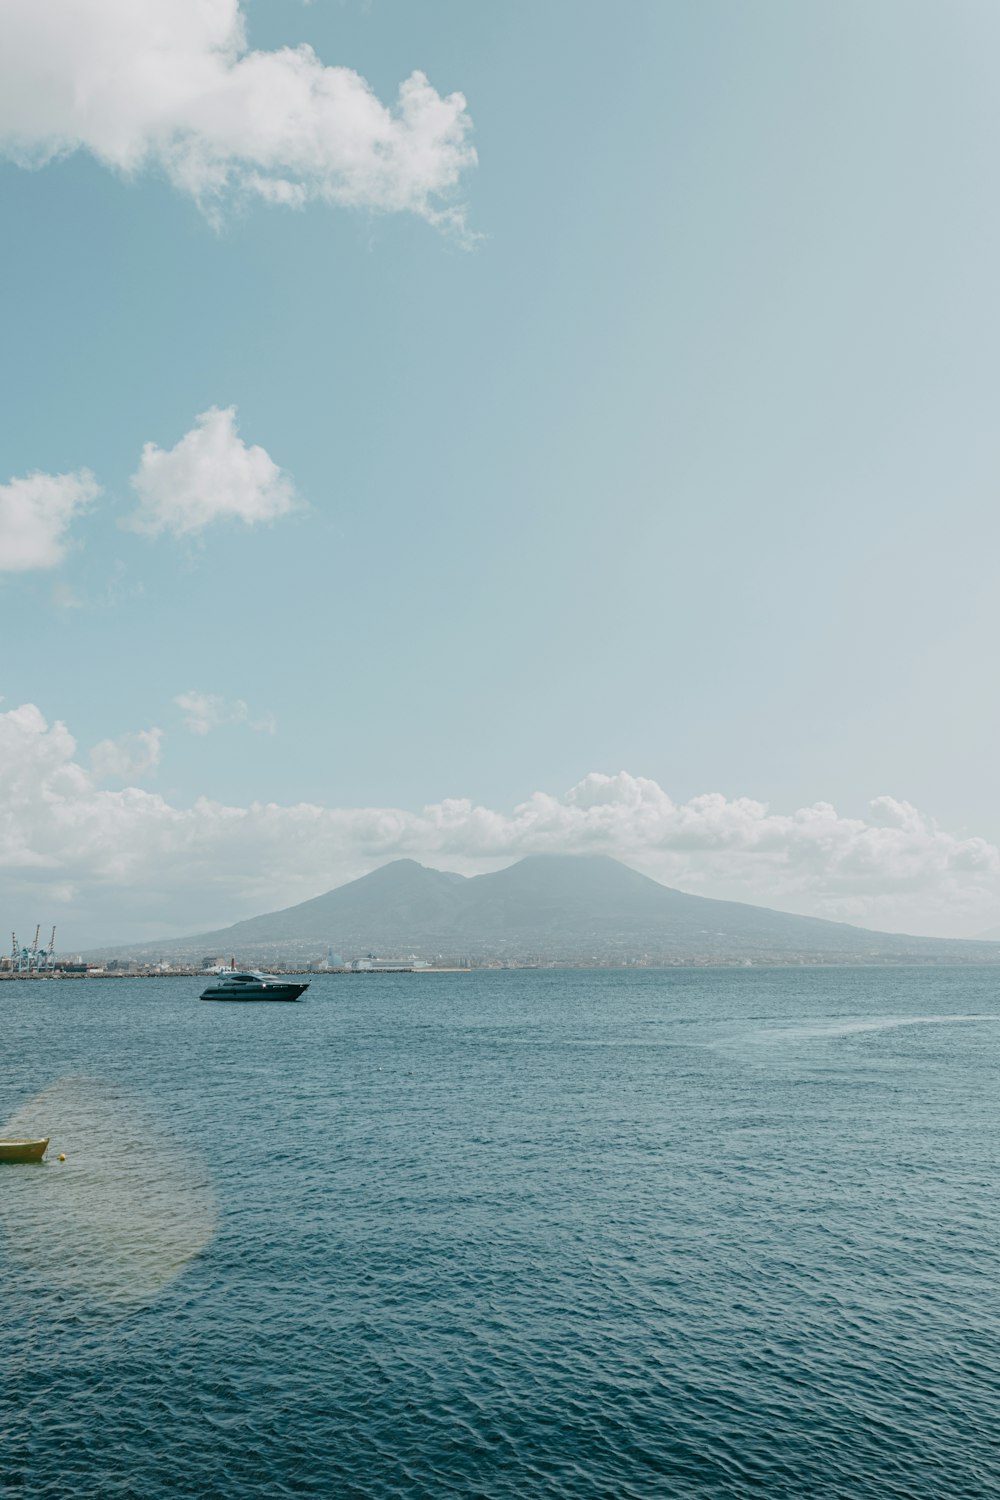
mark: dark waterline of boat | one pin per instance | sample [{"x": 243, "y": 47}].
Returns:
[{"x": 562, "y": 1234}]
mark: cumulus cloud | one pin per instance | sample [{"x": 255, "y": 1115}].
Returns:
[
  {"x": 62, "y": 838},
  {"x": 35, "y": 517},
  {"x": 132, "y": 755},
  {"x": 210, "y": 475},
  {"x": 204, "y": 712},
  {"x": 172, "y": 84}
]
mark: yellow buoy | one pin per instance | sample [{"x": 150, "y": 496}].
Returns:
[{"x": 61, "y": 1156}]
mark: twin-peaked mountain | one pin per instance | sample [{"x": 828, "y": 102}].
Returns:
[{"x": 575, "y": 908}]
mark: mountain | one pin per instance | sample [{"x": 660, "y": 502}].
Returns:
[
  {"x": 549, "y": 908},
  {"x": 398, "y": 898}
]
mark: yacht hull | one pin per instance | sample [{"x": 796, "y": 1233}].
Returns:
[{"x": 246, "y": 996}]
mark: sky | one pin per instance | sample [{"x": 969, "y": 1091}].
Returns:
[{"x": 458, "y": 431}]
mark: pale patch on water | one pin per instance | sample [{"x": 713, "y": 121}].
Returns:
[{"x": 121, "y": 1217}]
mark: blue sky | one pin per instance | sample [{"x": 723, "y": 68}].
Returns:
[{"x": 674, "y": 455}]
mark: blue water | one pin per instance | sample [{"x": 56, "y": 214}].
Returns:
[{"x": 561, "y": 1234}]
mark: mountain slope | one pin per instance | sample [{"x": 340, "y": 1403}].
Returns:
[
  {"x": 405, "y": 896},
  {"x": 595, "y": 896},
  {"x": 573, "y": 908}
]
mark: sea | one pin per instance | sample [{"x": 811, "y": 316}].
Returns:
[{"x": 541, "y": 1233}]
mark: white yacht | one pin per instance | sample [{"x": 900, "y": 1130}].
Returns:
[{"x": 248, "y": 984}]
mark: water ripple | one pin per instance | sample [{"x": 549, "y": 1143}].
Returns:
[{"x": 504, "y": 1236}]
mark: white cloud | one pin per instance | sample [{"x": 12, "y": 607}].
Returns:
[
  {"x": 130, "y": 756},
  {"x": 132, "y": 855},
  {"x": 210, "y": 475},
  {"x": 204, "y": 712},
  {"x": 171, "y": 83},
  {"x": 35, "y": 516}
]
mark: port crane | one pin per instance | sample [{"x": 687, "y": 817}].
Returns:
[{"x": 33, "y": 960}]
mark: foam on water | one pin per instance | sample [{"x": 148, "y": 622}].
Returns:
[{"x": 828, "y": 1029}]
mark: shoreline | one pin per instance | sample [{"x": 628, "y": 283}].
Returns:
[{"x": 556, "y": 965}]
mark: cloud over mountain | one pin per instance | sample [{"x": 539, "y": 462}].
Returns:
[
  {"x": 130, "y": 756},
  {"x": 173, "y": 84},
  {"x": 132, "y": 855}
]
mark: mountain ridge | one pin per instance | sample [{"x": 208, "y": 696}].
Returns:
[{"x": 548, "y": 907}]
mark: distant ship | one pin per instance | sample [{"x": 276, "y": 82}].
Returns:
[{"x": 249, "y": 985}]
